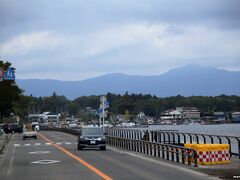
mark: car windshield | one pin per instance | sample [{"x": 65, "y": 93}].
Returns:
[{"x": 91, "y": 131}]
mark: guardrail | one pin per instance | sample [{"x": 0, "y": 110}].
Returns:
[
  {"x": 178, "y": 138},
  {"x": 169, "y": 152},
  {"x": 66, "y": 130}
]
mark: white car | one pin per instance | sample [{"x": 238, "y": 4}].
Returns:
[
  {"x": 29, "y": 134},
  {"x": 72, "y": 125}
]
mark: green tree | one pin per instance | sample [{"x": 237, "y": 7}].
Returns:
[
  {"x": 126, "y": 115},
  {"x": 21, "y": 107},
  {"x": 54, "y": 103},
  {"x": 73, "y": 108}
]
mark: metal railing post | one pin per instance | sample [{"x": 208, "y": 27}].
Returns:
[{"x": 195, "y": 158}]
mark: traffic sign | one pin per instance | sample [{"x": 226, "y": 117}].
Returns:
[{"x": 9, "y": 75}]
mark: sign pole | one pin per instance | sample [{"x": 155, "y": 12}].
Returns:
[
  {"x": 103, "y": 101},
  {"x": 103, "y": 114}
]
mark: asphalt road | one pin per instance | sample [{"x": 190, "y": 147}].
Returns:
[{"x": 54, "y": 155}]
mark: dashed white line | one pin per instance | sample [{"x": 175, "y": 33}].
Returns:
[
  {"x": 47, "y": 144},
  {"x": 40, "y": 152}
]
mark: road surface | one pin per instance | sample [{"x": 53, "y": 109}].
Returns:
[{"x": 54, "y": 155}]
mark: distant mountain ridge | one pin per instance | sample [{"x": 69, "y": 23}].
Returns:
[{"x": 186, "y": 81}]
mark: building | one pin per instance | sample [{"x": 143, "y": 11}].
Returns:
[
  {"x": 33, "y": 118},
  {"x": 219, "y": 116},
  {"x": 189, "y": 113},
  {"x": 141, "y": 115},
  {"x": 181, "y": 113},
  {"x": 236, "y": 117},
  {"x": 48, "y": 117},
  {"x": 171, "y": 114}
]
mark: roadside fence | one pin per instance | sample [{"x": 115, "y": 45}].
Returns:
[
  {"x": 178, "y": 154},
  {"x": 177, "y": 138}
]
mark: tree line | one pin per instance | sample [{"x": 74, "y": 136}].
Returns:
[
  {"x": 12, "y": 100},
  {"x": 133, "y": 103}
]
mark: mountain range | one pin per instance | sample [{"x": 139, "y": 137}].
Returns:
[{"x": 186, "y": 81}]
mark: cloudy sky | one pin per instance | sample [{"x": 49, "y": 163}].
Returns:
[{"x": 80, "y": 39}]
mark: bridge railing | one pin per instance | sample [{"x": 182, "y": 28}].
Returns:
[
  {"x": 178, "y": 138},
  {"x": 164, "y": 151},
  {"x": 66, "y": 130}
]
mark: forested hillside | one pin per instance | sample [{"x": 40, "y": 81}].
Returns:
[{"x": 134, "y": 103}]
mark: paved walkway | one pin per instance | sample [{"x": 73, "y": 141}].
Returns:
[
  {"x": 225, "y": 171},
  {"x": 4, "y": 138}
]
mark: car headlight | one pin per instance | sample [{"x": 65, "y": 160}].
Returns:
[
  {"x": 82, "y": 138},
  {"x": 101, "y": 139}
]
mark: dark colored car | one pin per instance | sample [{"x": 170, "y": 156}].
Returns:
[
  {"x": 91, "y": 137},
  {"x": 15, "y": 128}
]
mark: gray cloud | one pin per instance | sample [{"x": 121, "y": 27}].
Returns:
[{"x": 88, "y": 38}]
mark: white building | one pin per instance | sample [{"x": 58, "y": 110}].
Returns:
[
  {"x": 171, "y": 114},
  {"x": 189, "y": 113},
  {"x": 49, "y": 117}
]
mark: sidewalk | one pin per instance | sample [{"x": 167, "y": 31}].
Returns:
[
  {"x": 224, "y": 171},
  {"x": 4, "y": 138}
]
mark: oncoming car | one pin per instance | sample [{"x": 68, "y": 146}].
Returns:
[
  {"x": 91, "y": 137},
  {"x": 29, "y": 132}
]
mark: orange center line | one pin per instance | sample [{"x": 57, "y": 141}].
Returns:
[{"x": 95, "y": 170}]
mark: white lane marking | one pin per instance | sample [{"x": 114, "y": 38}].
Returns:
[
  {"x": 45, "y": 162},
  {"x": 40, "y": 152},
  {"x": 47, "y": 144}
]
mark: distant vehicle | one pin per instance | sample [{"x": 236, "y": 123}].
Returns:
[
  {"x": 128, "y": 124},
  {"x": 73, "y": 125},
  {"x": 29, "y": 132},
  {"x": 92, "y": 137},
  {"x": 15, "y": 128}
]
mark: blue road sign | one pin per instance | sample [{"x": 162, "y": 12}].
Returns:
[{"x": 9, "y": 74}]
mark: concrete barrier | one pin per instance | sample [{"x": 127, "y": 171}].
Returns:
[{"x": 211, "y": 154}]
